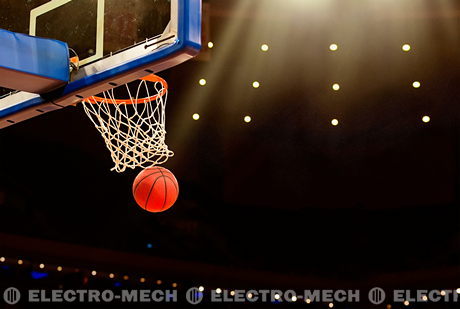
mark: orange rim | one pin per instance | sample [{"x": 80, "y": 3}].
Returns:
[{"x": 150, "y": 78}]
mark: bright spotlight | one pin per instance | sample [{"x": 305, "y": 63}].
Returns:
[
  {"x": 416, "y": 84},
  {"x": 41, "y": 266},
  {"x": 247, "y": 119},
  {"x": 336, "y": 87},
  {"x": 264, "y": 47},
  {"x": 196, "y": 116},
  {"x": 406, "y": 47},
  {"x": 426, "y": 119},
  {"x": 333, "y": 47},
  {"x": 210, "y": 44},
  {"x": 94, "y": 273},
  {"x": 201, "y": 288},
  {"x": 202, "y": 82},
  {"x": 335, "y": 122},
  {"x": 218, "y": 290},
  {"x": 256, "y": 84}
]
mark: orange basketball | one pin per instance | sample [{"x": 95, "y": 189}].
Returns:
[{"x": 155, "y": 189}]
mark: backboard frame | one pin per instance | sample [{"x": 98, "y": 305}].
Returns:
[{"x": 180, "y": 42}]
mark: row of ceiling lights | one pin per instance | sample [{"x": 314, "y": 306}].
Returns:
[
  {"x": 333, "y": 47},
  {"x": 336, "y": 87}
]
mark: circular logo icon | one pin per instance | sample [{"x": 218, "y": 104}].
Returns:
[
  {"x": 11, "y": 296},
  {"x": 194, "y": 296},
  {"x": 377, "y": 296}
]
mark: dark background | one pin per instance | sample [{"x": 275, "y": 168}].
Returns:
[{"x": 375, "y": 197}]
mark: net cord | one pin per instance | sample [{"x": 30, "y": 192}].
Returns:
[{"x": 134, "y": 132}]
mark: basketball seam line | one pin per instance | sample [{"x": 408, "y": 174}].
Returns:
[
  {"x": 150, "y": 192},
  {"x": 166, "y": 190},
  {"x": 139, "y": 182},
  {"x": 174, "y": 181}
]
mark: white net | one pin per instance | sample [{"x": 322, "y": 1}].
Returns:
[{"x": 133, "y": 129}]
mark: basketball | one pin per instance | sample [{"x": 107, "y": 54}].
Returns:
[{"x": 155, "y": 189}]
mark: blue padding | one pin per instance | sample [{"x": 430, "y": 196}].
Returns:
[
  {"x": 32, "y": 64},
  {"x": 186, "y": 46}
]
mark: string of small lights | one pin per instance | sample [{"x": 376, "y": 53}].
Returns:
[
  {"x": 139, "y": 279},
  {"x": 50, "y": 267}
]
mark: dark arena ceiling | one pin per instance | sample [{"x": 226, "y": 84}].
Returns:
[{"x": 287, "y": 198}]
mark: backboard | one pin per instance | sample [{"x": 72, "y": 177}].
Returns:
[{"x": 117, "y": 41}]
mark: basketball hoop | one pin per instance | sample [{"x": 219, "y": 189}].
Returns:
[{"x": 133, "y": 129}]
